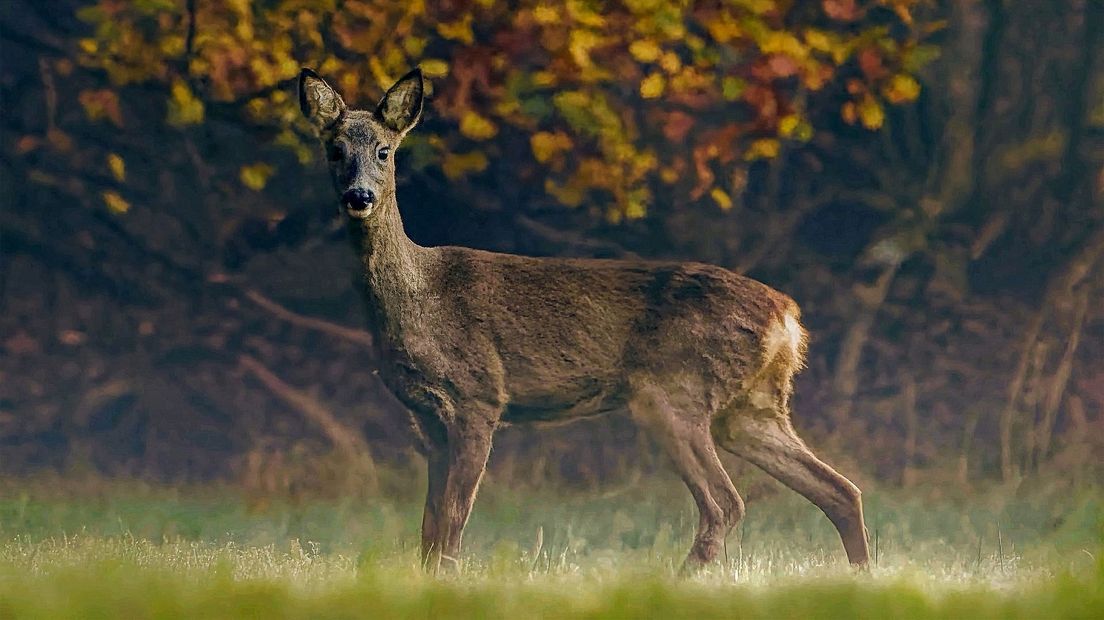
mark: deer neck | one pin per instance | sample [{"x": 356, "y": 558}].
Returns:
[{"x": 392, "y": 267}]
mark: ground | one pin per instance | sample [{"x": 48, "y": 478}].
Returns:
[{"x": 78, "y": 548}]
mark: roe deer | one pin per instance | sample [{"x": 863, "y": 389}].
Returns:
[{"x": 699, "y": 356}]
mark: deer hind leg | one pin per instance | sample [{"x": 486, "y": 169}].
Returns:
[
  {"x": 765, "y": 438},
  {"x": 687, "y": 442}
]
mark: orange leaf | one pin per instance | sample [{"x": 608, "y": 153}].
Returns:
[
  {"x": 870, "y": 61},
  {"x": 765, "y": 148},
  {"x": 677, "y": 126},
  {"x": 782, "y": 65},
  {"x": 841, "y": 10},
  {"x": 100, "y": 104}
]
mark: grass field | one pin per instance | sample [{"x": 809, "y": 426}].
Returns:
[{"x": 127, "y": 550}]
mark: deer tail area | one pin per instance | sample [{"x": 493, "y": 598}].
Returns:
[{"x": 786, "y": 341}]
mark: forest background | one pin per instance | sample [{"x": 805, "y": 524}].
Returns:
[{"x": 924, "y": 177}]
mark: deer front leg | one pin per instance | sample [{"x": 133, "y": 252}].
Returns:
[
  {"x": 469, "y": 445},
  {"x": 437, "y": 466}
]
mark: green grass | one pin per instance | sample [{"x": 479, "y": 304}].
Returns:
[{"x": 110, "y": 550}]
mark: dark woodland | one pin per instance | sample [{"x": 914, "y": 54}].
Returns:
[{"x": 924, "y": 178}]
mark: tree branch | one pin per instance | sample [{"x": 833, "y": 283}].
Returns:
[
  {"x": 349, "y": 334},
  {"x": 346, "y": 440},
  {"x": 572, "y": 241}
]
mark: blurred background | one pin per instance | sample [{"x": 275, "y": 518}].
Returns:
[{"x": 924, "y": 177}]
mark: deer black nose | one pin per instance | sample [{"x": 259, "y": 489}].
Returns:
[{"x": 358, "y": 199}]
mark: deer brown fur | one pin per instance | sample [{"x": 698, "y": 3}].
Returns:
[{"x": 469, "y": 340}]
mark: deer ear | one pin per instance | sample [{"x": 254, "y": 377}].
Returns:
[
  {"x": 401, "y": 107},
  {"x": 318, "y": 100}
]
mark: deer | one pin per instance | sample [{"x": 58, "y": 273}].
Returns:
[{"x": 469, "y": 341}]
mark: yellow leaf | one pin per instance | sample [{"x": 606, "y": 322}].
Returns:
[
  {"x": 793, "y": 126},
  {"x": 545, "y": 15},
  {"x": 871, "y": 113},
  {"x": 117, "y": 166},
  {"x": 779, "y": 42},
  {"x": 115, "y": 203},
  {"x": 544, "y": 78},
  {"x": 818, "y": 40},
  {"x": 721, "y": 198},
  {"x": 256, "y": 176},
  {"x": 635, "y": 209},
  {"x": 787, "y": 124},
  {"x": 583, "y": 14},
  {"x": 507, "y": 107},
  {"x": 724, "y": 29},
  {"x": 379, "y": 72},
  {"x": 477, "y": 127},
  {"x": 172, "y": 45},
  {"x": 457, "y": 165},
  {"x": 414, "y": 46},
  {"x": 547, "y": 145},
  {"x": 645, "y": 50},
  {"x": 764, "y": 148},
  {"x": 460, "y": 30},
  {"x": 760, "y": 7},
  {"x": 652, "y": 86},
  {"x": 902, "y": 88},
  {"x": 580, "y": 44},
  {"x": 643, "y": 162},
  {"x": 184, "y": 107},
  {"x": 571, "y": 194},
  {"x": 435, "y": 68}
]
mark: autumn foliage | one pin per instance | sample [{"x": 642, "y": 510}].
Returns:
[{"x": 613, "y": 100}]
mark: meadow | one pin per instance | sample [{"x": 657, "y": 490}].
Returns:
[{"x": 89, "y": 548}]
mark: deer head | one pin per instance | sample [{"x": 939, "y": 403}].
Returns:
[{"x": 360, "y": 145}]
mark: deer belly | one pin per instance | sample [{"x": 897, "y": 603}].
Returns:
[{"x": 577, "y": 399}]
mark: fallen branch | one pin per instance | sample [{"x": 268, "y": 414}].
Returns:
[{"x": 344, "y": 439}]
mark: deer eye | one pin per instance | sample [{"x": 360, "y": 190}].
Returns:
[
  {"x": 383, "y": 153},
  {"x": 335, "y": 152}
]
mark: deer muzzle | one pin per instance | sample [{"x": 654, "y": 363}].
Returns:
[{"x": 359, "y": 202}]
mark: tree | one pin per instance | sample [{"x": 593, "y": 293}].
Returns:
[{"x": 614, "y": 102}]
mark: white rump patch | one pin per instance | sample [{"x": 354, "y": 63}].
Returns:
[
  {"x": 783, "y": 354},
  {"x": 784, "y": 336},
  {"x": 796, "y": 338}
]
